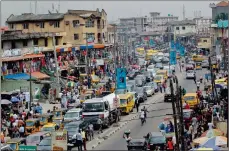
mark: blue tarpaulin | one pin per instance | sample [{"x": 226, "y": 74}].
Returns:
[
  {"x": 173, "y": 59},
  {"x": 18, "y": 76},
  {"x": 83, "y": 47}
]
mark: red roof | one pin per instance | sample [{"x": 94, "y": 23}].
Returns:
[
  {"x": 4, "y": 28},
  {"x": 222, "y": 4}
]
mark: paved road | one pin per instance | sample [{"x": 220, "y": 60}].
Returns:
[{"x": 116, "y": 141}]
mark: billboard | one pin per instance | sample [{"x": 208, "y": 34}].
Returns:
[
  {"x": 121, "y": 78},
  {"x": 173, "y": 58}
]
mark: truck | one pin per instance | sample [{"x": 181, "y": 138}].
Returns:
[{"x": 106, "y": 108}]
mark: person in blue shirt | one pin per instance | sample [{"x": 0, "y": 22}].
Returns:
[{"x": 39, "y": 108}]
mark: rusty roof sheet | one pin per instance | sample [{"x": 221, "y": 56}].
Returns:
[
  {"x": 33, "y": 17},
  {"x": 222, "y": 4}
]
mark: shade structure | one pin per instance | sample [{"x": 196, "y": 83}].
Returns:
[
  {"x": 204, "y": 149},
  {"x": 5, "y": 102},
  {"x": 212, "y": 133},
  {"x": 215, "y": 141},
  {"x": 17, "y": 76},
  {"x": 39, "y": 75},
  {"x": 200, "y": 140},
  {"x": 14, "y": 100}
]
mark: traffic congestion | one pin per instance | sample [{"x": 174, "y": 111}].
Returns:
[{"x": 148, "y": 97}]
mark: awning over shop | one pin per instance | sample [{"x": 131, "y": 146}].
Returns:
[
  {"x": 99, "y": 46},
  {"x": 75, "y": 48},
  {"x": 28, "y": 56},
  {"x": 39, "y": 75},
  {"x": 18, "y": 76},
  {"x": 83, "y": 47}
]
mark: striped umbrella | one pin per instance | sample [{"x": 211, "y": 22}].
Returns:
[
  {"x": 212, "y": 133},
  {"x": 215, "y": 141},
  {"x": 200, "y": 140}
]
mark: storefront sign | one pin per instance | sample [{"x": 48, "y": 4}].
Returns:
[
  {"x": 27, "y": 148},
  {"x": 99, "y": 62},
  {"x": 121, "y": 78},
  {"x": 20, "y": 52},
  {"x": 59, "y": 140}
]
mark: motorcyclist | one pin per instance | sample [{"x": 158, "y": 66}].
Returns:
[{"x": 142, "y": 116}]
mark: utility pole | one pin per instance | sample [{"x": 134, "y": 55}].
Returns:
[
  {"x": 174, "y": 115},
  {"x": 56, "y": 64},
  {"x": 181, "y": 120},
  {"x": 228, "y": 82},
  {"x": 30, "y": 86},
  {"x": 213, "y": 81},
  {"x": 87, "y": 57}
]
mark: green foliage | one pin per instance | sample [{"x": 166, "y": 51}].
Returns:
[{"x": 221, "y": 16}]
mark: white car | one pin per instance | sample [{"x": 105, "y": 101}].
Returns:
[
  {"x": 149, "y": 90},
  {"x": 190, "y": 74}
]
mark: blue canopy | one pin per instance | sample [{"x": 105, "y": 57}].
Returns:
[
  {"x": 14, "y": 100},
  {"x": 222, "y": 23},
  {"x": 17, "y": 76},
  {"x": 83, "y": 47}
]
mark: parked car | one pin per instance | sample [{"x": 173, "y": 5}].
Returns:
[
  {"x": 139, "y": 82},
  {"x": 137, "y": 144},
  {"x": 205, "y": 64},
  {"x": 149, "y": 90},
  {"x": 159, "y": 65},
  {"x": 153, "y": 84},
  {"x": 189, "y": 67},
  {"x": 131, "y": 75},
  {"x": 143, "y": 77},
  {"x": 45, "y": 144},
  {"x": 155, "y": 139},
  {"x": 190, "y": 74},
  {"x": 72, "y": 129},
  {"x": 168, "y": 96},
  {"x": 148, "y": 75},
  {"x": 142, "y": 95}
]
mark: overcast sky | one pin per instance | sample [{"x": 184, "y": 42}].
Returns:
[{"x": 114, "y": 9}]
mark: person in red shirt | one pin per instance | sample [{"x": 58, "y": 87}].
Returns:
[
  {"x": 187, "y": 106},
  {"x": 170, "y": 145}
]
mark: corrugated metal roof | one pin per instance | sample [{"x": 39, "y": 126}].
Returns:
[
  {"x": 33, "y": 17},
  {"x": 182, "y": 22},
  {"x": 222, "y": 4}
]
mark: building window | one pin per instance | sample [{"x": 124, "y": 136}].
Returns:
[
  {"x": 76, "y": 23},
  {"x": 91, "y": 36},
  {"x": 56, "y": 24},
  {"x": 205, "y": 41},
  {"x": 89, "y": 24},
  {"x": 25, "y": 44},
  {"x": 177, "y": 28},
  {"x": 11, "y": 26},
  {"x": 76, "y": 36},
  {"x": 46, "y": 42},
  {"x": 56, "y": 41},
  {"x": 35, "y": 42},
  {"x": 26, "y": 26},
  {"x": 42, "y": 25},
  {"x": 183, "y": 28}
]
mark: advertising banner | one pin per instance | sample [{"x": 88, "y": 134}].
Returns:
[
  {"x": 121, "y": 78},
  {"x": 172, "y": 45},
  {"x": 182, "y": 51},
  {"x": 173, "y": 58},
  {"x": 59, "y": 140}
]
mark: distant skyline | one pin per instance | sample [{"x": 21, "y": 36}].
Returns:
[{"x": 114, "y": 9}]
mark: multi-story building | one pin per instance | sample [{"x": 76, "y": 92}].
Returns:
[
  {"x": 203, "y": 25},
  {"x": 136, "y": 24},
  {"x": 68, "y": 28},
  {"x": 112, "y": 34},
  {"x": 184, "y": 28},
  {"x": 219, "y": 10},
  {"x": 158, "y": 23}
]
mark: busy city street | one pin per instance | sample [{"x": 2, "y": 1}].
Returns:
[{"x": 96, "y": 75}]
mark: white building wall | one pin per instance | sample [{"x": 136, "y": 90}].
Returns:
[{"x": 188, "y": 29}]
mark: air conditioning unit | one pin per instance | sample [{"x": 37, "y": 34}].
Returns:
[{"x": 66, "y": 22}]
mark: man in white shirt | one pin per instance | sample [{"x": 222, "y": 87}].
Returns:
[
  {"x": 15, "y": 116},
  {"x": 198, "y": 85}
]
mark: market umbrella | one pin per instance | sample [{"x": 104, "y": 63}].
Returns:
[
  {"x": 204, "y": 149},
  {"x": 70, "y": 84},
  {"x": 14, "y": 100},
  {"x": 215, "y": 141},
  {"x": 212, "y": 133},
  {"x": 200, "y": 140},
  {"x": 4, "y": 101}
]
